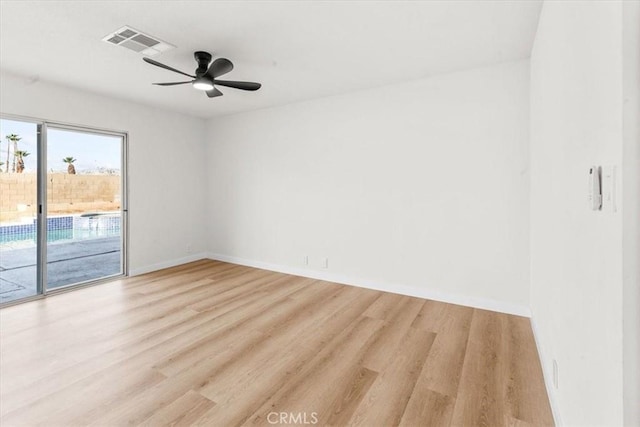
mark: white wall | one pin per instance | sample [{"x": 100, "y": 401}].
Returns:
[
  {"x": 421, "y": 184},
  {"x": 166, "y": 167},
  {"x": 631, "y": 213},
  {"x": 576, "y": 253}
]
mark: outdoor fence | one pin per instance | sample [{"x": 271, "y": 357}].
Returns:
[{"x": 65, "y": 194}]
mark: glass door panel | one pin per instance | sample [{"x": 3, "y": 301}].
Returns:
[
  {"x": 18, "y": 210},
  {"x": 84, "y": 210}
]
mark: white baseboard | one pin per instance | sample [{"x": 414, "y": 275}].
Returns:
[
  {"x": 475, "y": 302},
  {"x": 167, "y": 264},
  {"x": 547, "y": 372}
]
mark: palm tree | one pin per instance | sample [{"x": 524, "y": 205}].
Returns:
[
  {"x": 20, "y": 154},
  {"x": 12, "y": 138},
  {"x": 70, "y": 169}
]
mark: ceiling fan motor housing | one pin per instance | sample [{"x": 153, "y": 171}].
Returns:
[{"x": 203, "y": 59}]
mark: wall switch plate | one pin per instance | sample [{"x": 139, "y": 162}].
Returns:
[{"x": 609, "y": 178}]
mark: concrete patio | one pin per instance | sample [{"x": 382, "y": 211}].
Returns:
[{"x": 68, "y": 263}]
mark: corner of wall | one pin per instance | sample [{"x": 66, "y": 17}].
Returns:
[
  {"x": 547, "y": 371},
  {"x": 631, "y": 212}
]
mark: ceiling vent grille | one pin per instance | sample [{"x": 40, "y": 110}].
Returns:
[{"x": 137, "y": 41}]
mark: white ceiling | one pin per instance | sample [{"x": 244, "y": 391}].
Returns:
[{"x": 297, "y": 50}]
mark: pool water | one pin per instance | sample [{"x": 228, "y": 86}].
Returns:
[
  {"x": 62, "y": 228},
  {"x": 55, "y": 235}
]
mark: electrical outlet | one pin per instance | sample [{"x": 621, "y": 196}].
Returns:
[
  {"x": 305, "y": 260},
  {"x": 189, "y": 249},
  {"x": 555, "y": 374},
  {"x": 325, "y": 263}
]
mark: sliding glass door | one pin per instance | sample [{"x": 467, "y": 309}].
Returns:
[
  {"x": 18, "y": 209},
  {"x": 63, "y": 209},
  {"x": 84, "y": 209}
]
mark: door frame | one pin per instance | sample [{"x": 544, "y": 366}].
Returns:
[{"x": 41, "y": 237}]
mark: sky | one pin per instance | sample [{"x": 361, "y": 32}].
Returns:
[{"x": 91, "y": 151}]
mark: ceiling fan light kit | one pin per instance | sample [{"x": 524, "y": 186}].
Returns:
[
  {"x": 205, "y": 78},
  {"x": 202, "y": 83}
]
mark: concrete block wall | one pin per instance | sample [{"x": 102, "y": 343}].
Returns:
[{"x": 65, "y": 194}]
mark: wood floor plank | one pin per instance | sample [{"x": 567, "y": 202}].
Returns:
[
  {"x": 385, "y": 402},
  {"x": 21, "y": 391},
  {"x": 95, "y": 331},
  {"x": 443, "y": 367},
  {"x": 345, "y": 403},
  {"x": 144, "y": 279},
  {"x": 313, "y": 388},
  {"x": 78, "y": 362},
  {"x": 290, "y": 326},
  {"x": 83, "y": 304},
  {"x": 93, "y": 392},
  {"x": 246, "y": 390},
  {"x": 156, "y": 344},
  {"x": 399, "y": 317},
  {"x": 261, "y": 287},
  {"x": 427, "y": 408},
  {"x": 441, "y": 317},
  {"x": 182, "y": 412},
  {"x": 216, "y": 344},
  {"x": 525, "y": 381},
  {"x": 385, "y": 306},
  {"x": 286, "y": 313},
  {"x": 480, "y": 400},
  {"x": 494, "y": 388},
  {"x": 213, "y": 355}
]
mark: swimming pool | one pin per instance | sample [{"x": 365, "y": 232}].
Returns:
[{"x": 75, "y": 227}]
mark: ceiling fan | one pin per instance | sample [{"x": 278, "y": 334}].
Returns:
[{"x": 206, "y": 75}]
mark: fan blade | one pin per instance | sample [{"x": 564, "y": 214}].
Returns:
[
  {"x": 219, "y": 67},
  {"x": 238, "y": 85},
  {"x": 213, "y": 93},
  {"x": 166, "y": 67},
  {"x": 171, "y": 84}
]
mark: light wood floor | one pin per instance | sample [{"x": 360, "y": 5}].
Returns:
[{"x": 217, "y": 344}]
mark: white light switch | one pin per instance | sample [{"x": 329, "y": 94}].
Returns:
[{"x": 609, "y": 178}]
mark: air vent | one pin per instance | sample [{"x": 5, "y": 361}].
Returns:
[{"x": 137, "y": 41}]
